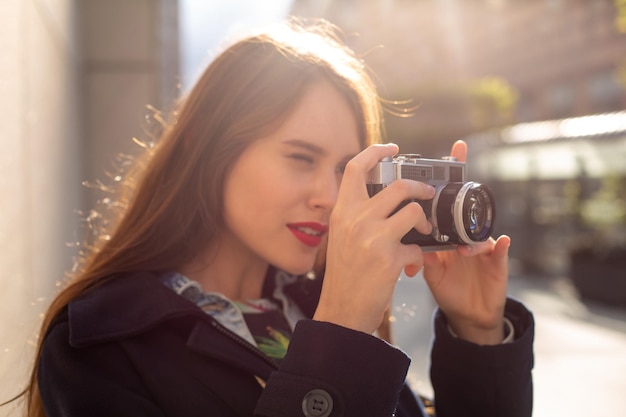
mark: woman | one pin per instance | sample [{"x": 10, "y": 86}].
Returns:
[{"x": 199, "y": 301}]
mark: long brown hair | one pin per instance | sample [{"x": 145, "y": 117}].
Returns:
[{"x": 170, "y": 203}]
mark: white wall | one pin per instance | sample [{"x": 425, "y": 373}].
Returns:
[
  {"x": 39, "y": 170},
  {"x": 130, "y": 61},
  {"x": 75, "y": 79}
]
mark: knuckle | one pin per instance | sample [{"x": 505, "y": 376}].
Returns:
[
  {"x": 411, "y": 189},
  {"x": 352, "y": 167},
  {"x": 415, "y": 208},
  {"x": 403, "y": 187}
]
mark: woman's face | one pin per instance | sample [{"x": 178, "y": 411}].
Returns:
[{"x": 281, "y": 190}]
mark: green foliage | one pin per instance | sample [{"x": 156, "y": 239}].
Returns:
[
  {"x": 620, "y": 73},
  {"x": 605, "y": 214},
  {"x": 607, "y": 207},
  {"x": 495, "y": 91},
  {"x": 491, "y": 96},
  {"x": 620, "y": 15}
]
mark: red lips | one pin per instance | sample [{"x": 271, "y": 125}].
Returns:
[{"x": 309, "y": 233}]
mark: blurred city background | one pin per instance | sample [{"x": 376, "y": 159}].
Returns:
[{"x": 537, "y": 88}]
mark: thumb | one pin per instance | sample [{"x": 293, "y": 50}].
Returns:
[
  {"x": 431, "y": 259},
  {"x": 432, "y": 266}
]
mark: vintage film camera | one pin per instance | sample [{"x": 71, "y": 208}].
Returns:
[{"x": 461, "y": 212}]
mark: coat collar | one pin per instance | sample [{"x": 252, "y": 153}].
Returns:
[
  {"x": 131, "y": 303},
  {"x": 126, "y": 305},
  {"x": 136, "y": 303}
]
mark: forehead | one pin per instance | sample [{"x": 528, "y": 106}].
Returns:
[{"x": 323, "y": 116}]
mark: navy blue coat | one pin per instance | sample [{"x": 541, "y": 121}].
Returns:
[{"x": 132, "y": 347}]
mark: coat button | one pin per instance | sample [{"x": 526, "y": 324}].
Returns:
[{"x": 317, "y": 403}]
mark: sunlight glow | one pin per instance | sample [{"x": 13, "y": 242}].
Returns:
[
  {"x": 599, "y": 124},
  {"x": 205, "y": 25}
]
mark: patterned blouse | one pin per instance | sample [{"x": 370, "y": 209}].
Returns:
[{"x": 266, "y": 323}]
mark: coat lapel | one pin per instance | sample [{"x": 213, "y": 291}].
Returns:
[
  {"x": 227, "y": 366},
  {"x": 209, "y": 339}
]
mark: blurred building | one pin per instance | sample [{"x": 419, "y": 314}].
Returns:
[
  {"x": 560, "y": 187},
  {"x": 537, "y": 87},
  {"x": 474, "y": 65}
]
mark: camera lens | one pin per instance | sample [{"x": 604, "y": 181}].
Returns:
[
  {"x": 463, "y": 212},
  {"x": 474, "y": 213}
]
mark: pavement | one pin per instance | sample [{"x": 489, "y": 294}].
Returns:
[{"x": 580, "y": 347}]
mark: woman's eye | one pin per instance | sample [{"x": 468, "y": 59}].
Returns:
[
  {"x": 341, "y": 168},
  {"x": 303, "y": 158}
]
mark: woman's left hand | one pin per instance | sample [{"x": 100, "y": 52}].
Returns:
[{"x": 469, "y": 284}]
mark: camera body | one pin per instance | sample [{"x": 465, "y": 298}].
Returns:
[{"x": 461, "y": 212}]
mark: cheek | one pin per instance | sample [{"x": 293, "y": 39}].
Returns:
[{"x": 252, "y": 193}]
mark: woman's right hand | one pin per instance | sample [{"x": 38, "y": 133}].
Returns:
[{"x": 365, "y": 256}]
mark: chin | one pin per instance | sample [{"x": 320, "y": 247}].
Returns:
[
  {"x": 298, "y": 271},
  {"x": 298, "y": 263},
  {"x": 302, "y": 269}
]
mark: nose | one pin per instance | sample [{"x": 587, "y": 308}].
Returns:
[{"x": 324, "y": 191}]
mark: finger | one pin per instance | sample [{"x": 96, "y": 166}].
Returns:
[
  {"x": 500, "y": 254},
  {"x": 497, "y": 248},
  {"x": 355, "y": 173},
  {"x": 459, "y": 151},
  {"x": 412, "y": 270},
  {"x": 477, "y": 248},
  {"x": 399, "y": 191},
  {"x": 408, "y": 217},
  {"x": 431, "y": 260},
  {"x": 413, "y": 259},
  {"x": 501, "y": 250}
]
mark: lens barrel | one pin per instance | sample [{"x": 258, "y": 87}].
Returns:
[{"x": 465, "y": 212}]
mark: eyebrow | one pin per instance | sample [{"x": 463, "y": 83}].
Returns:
[
  {"x": 306, "y": 145},
  {"x": 312, "y": 147}
]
